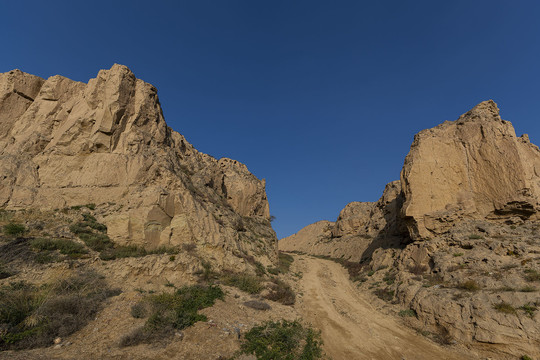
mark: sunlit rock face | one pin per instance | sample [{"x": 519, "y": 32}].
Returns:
[{"x": 474, "y": 167}]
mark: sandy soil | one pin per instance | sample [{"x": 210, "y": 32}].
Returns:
[{"x": 351, "y": 327}]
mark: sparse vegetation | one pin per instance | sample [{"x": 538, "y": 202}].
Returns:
[
  {"x": 458, "y": 254},
  {"x": 389, "y": 277},
  {"x": 281, "y": 292},
  {"x": 384, "y": 294},
  {"x": 33, "y": 316},
  {"x": 167, "y": 312},
  {"x": 4, "y": 272},
  {"x": 243, "y": 281},
  {"x": 504, "y": 307},
  {"x": 531, "y": 275},
  {"x": 64, "y": 246},
  {"x": 14, "y": 229},
  {"x": 469, "y": 285},
  {"x": 529, "y": 309},
  {"x": 407, "y": 313},
  {"x": 282, "y": 340},
  {"x": 257, "y": 305},
  {"x": 475, "y": 236},
  {"x": 92, "y": 233},
  {"x": 284, "y": 262}
]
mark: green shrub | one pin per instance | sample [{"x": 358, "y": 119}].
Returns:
[
  {"x": 243, "y": 281},
  {"x": 282, "y": 340},
  {"x": 14, "y": 229},
  {"x": 166, "y": 312},
  {"x": 33, "y": 316},
  {"x": 281, "y": 292}
]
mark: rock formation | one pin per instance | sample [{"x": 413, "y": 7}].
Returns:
[
  {"x": 66, "y": 143},
  {"x": 474, "y": 167}
]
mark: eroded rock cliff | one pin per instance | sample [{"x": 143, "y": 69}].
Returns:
[{"x": 66, "y": 143}]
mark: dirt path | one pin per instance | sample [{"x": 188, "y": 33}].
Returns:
[{"x": 351, "y": 327}]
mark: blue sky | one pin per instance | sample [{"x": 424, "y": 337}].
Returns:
[{"x": 320, "y": 98}]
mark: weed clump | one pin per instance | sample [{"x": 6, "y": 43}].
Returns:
[
  {"x": 14, "y": 229},
  {"x": 282, "y": 340},
  {"x": 168, "y": 312}
]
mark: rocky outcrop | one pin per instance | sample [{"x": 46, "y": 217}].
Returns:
[
  {"x": 474, "y": 167},
  {"x": 65, "y": 143}
]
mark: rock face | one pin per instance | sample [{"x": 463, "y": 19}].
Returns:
[
  {"x": 474, "y": 167},
  {"x": 66, "y": 143}
]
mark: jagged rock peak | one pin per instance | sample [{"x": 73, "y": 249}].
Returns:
[{"x": 65, "y": 143}]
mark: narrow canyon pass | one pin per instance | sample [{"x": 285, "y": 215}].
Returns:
[{"x": 455, "y": 243}]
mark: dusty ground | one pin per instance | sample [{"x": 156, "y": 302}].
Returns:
[{"x": 351, "y": 327}]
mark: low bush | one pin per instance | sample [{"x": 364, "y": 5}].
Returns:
[
  {"x": 14, "y": 229},
  {"x": 167, "y": 312},
  {"x": 243, "y": 281},
  {"x": 384, "y": 294},
  {"x": 257, "y": 305},
  {"x": 469, "y": 285},
  {"x": 281, "y": 292},
  {"x": 407, "y": 313},
  {"x": 282, "y": 340},
  {"x": 92, "y": 233},
  {"x": 4, "y": 272},
  {"x": 284, "y": 262},
  {"x": 65, "y": 246},
  {"x": 504, "y": 307},
  {"x": 531, "y": 275},
  {"x": 34, "y": 316},
  {"x": 529, "y": 309}
]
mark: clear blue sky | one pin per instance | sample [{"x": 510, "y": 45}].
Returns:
[{"x": 321, "y": 98}]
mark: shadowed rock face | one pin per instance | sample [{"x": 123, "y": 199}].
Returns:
[
  {"x": 474, "y": 167},
  {"x": 65, "y": 143}
]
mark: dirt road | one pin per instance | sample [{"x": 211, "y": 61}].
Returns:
[{"x": 351, "y": 327}]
